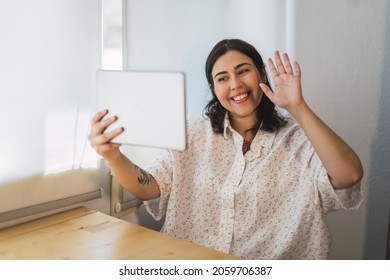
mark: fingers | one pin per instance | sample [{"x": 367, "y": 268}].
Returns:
[
  {"x": 279, "y": 63},
  {"x": 279, "y": 68},
  {"x": 283, "y": 66},
  {"x": 97, "y": 136},
  {"x": 297, "y": 69},
  {"x": 287, "y": 63},
  {"x": 101, "y": 139},
  {"x": 99, "y": 116},
  {"x": 272, "y": 68},
  {"x": 98, "y": 125}
]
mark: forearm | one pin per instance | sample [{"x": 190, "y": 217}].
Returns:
[
  {"x": 133, "y": 178},
  {"x": 340, "y": 161}
]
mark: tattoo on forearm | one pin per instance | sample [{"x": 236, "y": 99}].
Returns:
[{"x": 145, "y": 178}]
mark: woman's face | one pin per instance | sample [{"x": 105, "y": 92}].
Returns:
[{"x": 236, "y": 85}]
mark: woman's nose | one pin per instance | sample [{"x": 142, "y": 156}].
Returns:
[{"x": 235, "y": 83}]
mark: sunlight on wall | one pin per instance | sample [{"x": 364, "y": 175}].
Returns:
[{"x": 66, "y": 143}]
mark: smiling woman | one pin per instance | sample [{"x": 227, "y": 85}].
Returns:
[
  {"x": 232, "y": 87},
  {"x": 236, "y": 85}
]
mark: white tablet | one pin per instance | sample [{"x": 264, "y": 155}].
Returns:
[{"x": 150, "y": 106}]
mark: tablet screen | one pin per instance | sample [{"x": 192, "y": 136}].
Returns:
[{"x": 150, "y": 106}]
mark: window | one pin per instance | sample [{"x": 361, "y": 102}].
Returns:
[
  {"x": 49, "y": 55},
  {"x": 113, "y": 47}
]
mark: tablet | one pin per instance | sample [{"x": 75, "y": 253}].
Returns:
[{"x": 150, "y": 106}]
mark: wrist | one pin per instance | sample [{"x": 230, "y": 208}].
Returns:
[
  {"x": 113, "y": 158},
  {"x": 299, "y": 111}
]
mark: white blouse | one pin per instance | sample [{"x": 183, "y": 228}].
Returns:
[{"x": 267, "y": 204}]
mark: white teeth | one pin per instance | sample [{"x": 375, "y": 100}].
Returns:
[{"x": 239, "y": 97}]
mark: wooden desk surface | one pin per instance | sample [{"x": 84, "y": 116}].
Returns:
[{"x": 83, "y": 233}]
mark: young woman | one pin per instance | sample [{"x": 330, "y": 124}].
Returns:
[{"x": 251, "y": 183}]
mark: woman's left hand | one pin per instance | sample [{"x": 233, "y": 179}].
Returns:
[
  {"x": 288, "y": 90},
  {"x": 340, "y": 161}
]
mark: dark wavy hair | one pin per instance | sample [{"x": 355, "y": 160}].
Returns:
[{"x": 267, "y": 115}]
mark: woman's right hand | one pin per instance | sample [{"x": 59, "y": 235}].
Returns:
[
  {"x": 99, "y": 140},
  {"x": 130, "y": 176}
]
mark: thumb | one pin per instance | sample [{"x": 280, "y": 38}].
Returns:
[{"x": 267, "y": 91}]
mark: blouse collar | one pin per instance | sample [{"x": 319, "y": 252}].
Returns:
[{"x": 262, "y": 138}]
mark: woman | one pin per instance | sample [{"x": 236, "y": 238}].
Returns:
[{"x": 251, "y": 183}]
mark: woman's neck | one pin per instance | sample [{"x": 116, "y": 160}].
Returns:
[{"x": 245, "y": 126}]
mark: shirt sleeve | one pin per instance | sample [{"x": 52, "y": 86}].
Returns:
[
  {"x": 332, "y": 199},
  {"x": 161, "y": 170}
]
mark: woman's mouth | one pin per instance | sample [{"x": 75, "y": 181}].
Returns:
[{"x": 241, "y": 97}]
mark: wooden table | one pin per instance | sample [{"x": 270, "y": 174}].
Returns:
[{"x": 82, "y": 233}]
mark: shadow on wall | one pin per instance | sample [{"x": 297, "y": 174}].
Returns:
[{"x": 378, "y": 199}]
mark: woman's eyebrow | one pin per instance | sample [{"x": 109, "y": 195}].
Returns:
[
  {"x": 235, "y": 67},
  {"x": 242, "y": 64}
]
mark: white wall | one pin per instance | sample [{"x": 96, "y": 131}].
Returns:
[
  {"x": 344, "y": 50},
  {"x": 178, "y": 35}
]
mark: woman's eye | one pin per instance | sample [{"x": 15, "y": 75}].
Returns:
[
  {"x": 243, "y": 71},
  {"x": 222, "y": 79}
]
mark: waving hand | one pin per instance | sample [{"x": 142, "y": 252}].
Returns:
[{"x": 288, "y": 92}]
